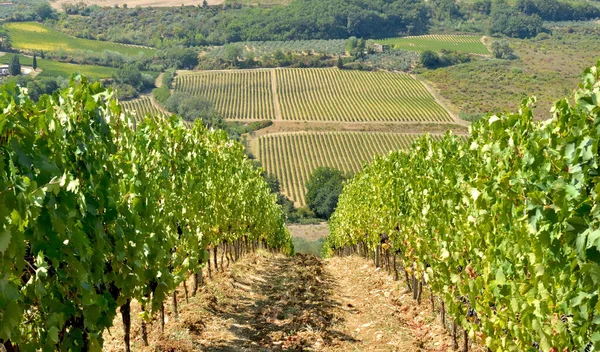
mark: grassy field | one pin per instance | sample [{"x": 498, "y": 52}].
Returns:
[
  {"x": 548, "y": 69},
  {"x": 293, "y": 156},
  {"x": 54, "y": 68},
  {"x": 315, "y": 95},
  {"x": 467, "y": 44},
  {"x": 31, "y": 36}
]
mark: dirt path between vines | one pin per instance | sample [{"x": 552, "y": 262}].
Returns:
[{"x": 269, "y": 302}]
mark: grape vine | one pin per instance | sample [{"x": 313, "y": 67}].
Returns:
[
  {"x": 97, "y": 211},
  {"x": 504, "y": 228}
]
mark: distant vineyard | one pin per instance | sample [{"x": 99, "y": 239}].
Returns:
[
  {"x": 141, "y": 107},
  {"x": 347, "y": 95},
  {"x": 329, "y": 47},
  {"x": 315, "y": 94},
  {"x": 467, "y": 44},
  {"x": 236, "y": 94},
  {"x": 292, "y": 157}
]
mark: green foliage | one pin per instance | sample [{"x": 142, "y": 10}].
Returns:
[
  {"x": 233, "y": 52},
  {"x": 193, "y": 108},
  {"x": 44, "y": 11},
  {"x": 14, "y": 68},
  {"x": 96, "y": 213},
  {"x": 300, "y": 20},
  {"x": 34, "y": 63},
  {"x": 161, "y": 94},
  {"x": 304, "y": 246},
  {"x": 502, "y": 50},
  {"x": 323, "y": 189},
  {"x": 168, "y": 77},
  {"x": 506, "y": 20},
  {"x": 555, "y": 10},
  {"x": 429, "y": 59},
  {"x": 504, "y": 227}
]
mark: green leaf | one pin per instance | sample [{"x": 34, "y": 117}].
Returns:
[
  {"x": 4, "y": 239},
  {"x": 53, "y": 334}
]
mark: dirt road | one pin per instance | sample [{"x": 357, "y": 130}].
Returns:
[{"x": 269, "y": 302}]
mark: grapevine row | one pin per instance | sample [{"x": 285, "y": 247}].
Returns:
[
  {"x": 316, "y": 94},
  {"x": 142, "y": 107},
  {"x": 349, "y": 95},
  {"x": 293, "y": 157},
  {"x": 236, "y": 94},
  {"x": 95, "y": 213},
  {"x": 504, "y": 228}
]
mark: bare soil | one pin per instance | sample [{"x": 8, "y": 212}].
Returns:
[{"x": 269, "y": 302}]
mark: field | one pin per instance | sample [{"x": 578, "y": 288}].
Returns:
[
  {"x": 52, "y": 68},
  {"x": 547, "y": 69},
  {"x": 315, "y": 94},
  {"x": 141, "y": 107},
  {"x": 467, "y": 44},
  {"x": 31, "y": 36},
  {"x": 350, "y": 96},
  {"x": 293, "y": 156},
  {"x": 236, "y": 94}
]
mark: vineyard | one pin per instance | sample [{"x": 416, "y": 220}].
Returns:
[
  {"x": 467, "y": 44},
  {"x": 236, "y": 94},
  {"x": 142, "y": 107},
  {"x": 96, "y": 214},
  {"x": 293, "y": 157},
  {"x": 351, "y": 96},
  {"x": 316, "y": 94},
  {"x": 502, "y": 229}
]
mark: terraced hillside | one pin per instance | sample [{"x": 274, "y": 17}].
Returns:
[
  {"x": 462, "y": 43},
  {"x": 293, "y": 156},
  {"x": 315, "y": 95}
]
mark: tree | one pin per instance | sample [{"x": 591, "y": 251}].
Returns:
[
  {"x": 34, "y": 65},
  {"x": 429, "y": 59},
  {"x": 44, "y": 11},
  {"x": 205, "y": 4},
  {"x": 324, "y": 187},
  {"x": 232, "y": 53},
  {"x": 131, "y": 75},
  {"x": 14, "y": 68},
  {"x": 340, "y": 63},
  {"x": 502, "y": 50}
]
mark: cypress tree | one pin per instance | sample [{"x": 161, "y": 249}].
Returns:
[
  {"x": 34, "y": 65},
  {"x": 14, "y": 68}
]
